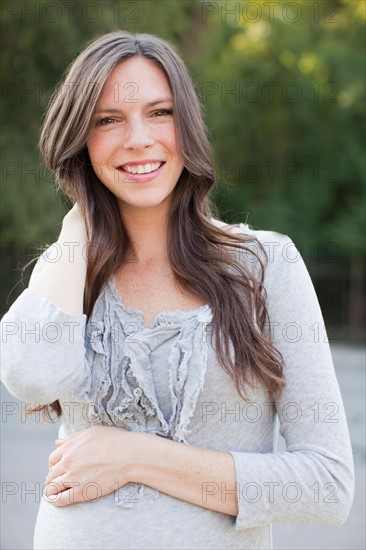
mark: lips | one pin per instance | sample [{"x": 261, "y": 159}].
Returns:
[
  {"x": 139, "y": 175},
  {"x": 139, "y": 167}
]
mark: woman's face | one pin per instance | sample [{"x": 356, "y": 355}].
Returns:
[{"x": 134, "y": 131}]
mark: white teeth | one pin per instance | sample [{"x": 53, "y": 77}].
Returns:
[{"x": 142, "y": 168}]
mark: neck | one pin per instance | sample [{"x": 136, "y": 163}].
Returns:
[{"x": 147, "y": 230}]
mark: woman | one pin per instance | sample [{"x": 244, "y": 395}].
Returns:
[{"x": 168, "y": 342}]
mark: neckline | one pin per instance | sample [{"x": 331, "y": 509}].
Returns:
[{"x": 169, "y": 316}]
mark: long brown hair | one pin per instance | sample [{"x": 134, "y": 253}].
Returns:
[{"x": 198, "y": 250}]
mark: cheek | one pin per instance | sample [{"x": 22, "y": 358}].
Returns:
[
  {"x": 93, "y": 148},
  {"x": 98, "y": 156},
  {"x": 169, "y": 139},
  {"x": 99, "y": 147}
]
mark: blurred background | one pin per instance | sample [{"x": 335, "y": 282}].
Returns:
[{"x": 282, "y": 85}]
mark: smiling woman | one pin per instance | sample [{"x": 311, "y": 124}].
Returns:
[
  {"x": 128, "y": 127},
  {"x": 156, "y": 344}
]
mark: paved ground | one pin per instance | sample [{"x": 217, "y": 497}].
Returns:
[{"x": 26, "y": 446}]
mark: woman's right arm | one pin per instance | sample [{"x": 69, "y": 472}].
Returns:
[
  {"x": 42, "y": 334},
  {"x": 62, "y": 277}
]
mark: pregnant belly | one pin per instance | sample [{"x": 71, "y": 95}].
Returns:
[{"x": 151, "y": 523}]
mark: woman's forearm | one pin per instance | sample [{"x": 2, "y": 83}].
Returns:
[
  {"x": 201, "y": 476},
  {"x": 62, "y": 277}
]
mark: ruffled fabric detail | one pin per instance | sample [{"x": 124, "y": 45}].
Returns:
[{"x": 119, "y": 389}]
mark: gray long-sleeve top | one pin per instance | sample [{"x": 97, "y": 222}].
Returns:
[{"x": 110, "y": 369}]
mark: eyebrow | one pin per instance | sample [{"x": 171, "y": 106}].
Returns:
[{"x": 150, "y": 104}]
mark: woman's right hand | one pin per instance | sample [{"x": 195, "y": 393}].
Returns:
[
  {"x": 73, "y": 226},
  {"x": 62, "y": 280}
]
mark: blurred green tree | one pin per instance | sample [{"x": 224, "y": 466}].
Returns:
[{"x": 282, "y": 86}]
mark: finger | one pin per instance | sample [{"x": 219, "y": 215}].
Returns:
[
  {"x": 54, "y": 457},
  {"x": 65, "y": 498},
  {"x": 71, "y": 436},
  {"x": 54, "y": 488},
  {"x": 56, "y": 471},
  {"x": 55, "y": 498}
]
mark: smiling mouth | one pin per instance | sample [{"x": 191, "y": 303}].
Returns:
[{"x": 141, "y": 168}]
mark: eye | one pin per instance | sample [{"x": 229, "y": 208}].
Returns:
[
  {"x": 163, "y": 112},
  {"x": 105, "y": 121}
]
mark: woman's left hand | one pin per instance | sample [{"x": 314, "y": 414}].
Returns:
[{"x": 89, "y": 464}]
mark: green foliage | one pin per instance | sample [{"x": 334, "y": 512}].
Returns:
[
  {"x": 288, "y": 143},
  {"x": 39, "y": 43},
  {"x": 285, "y": 102}
]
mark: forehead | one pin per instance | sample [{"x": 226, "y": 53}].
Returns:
[{"x": 135, "y": 79}]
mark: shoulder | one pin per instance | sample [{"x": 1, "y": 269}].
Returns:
[
  {"x": 271, "y": 240},
  {"x": 234, "y": 228},
  {"x": 286, "y": 276},
  {"x": 276, "y": 250}
]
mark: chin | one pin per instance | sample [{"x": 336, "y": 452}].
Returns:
[
  {"x": 146, "y": 202},
  {"x": 158, "y": 195}
]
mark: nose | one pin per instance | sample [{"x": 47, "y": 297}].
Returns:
[{"x": 138, "y": 135}]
